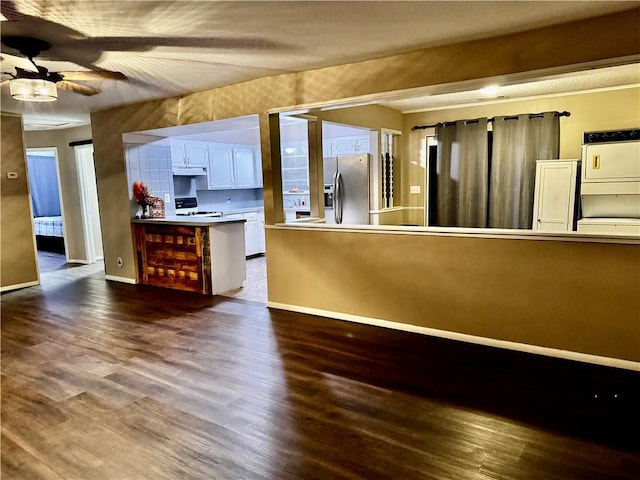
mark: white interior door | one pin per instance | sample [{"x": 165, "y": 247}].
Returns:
[{"x": 89, "y": 203}]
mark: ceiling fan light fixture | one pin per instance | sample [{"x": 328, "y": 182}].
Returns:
[{"x": 33, "y": 90}]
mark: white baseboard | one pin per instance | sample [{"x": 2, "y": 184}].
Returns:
[
  {"x": 77, "y": 260},
  {"x": 463, "y": 337},
  {"x": 8, "y": 288},
  {"x": 115, "y": 278}
]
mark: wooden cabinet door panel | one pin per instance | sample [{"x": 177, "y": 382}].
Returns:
[{"x": 172, "y": 256}]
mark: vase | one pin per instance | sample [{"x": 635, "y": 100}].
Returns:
[{"x": 145, "y": 209}]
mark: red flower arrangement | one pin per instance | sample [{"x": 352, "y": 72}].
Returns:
[{"x": 143, "y": 196}]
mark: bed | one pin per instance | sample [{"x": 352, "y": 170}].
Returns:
[{"x": 49, "y": 234}]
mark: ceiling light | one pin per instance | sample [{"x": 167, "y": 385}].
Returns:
[
  {"x": 33, "y": 90},
  {"x": 489, "y": 91}
]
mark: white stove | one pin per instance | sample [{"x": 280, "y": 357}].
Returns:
[{"x": 189, "y": 206}]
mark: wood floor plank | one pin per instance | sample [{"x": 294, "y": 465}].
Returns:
[
  {"x": 102, "y": 380},
  {"x": 20, "y": 464}
]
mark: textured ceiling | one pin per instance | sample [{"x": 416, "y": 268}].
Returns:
[
  {"x": 511, "y": 90},
  {"x": 176, "y": 47}
]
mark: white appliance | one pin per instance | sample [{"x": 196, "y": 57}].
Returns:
[
  {"x": 349, "y": 177},
  {"x": 610, "y": 182}
]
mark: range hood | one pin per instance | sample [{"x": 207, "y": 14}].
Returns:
[{"x": 189, "y": 172}]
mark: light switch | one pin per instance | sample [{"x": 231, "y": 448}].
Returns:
[
  {"x": 167, "y": 198},
  {"x": 414, "y": 189}
]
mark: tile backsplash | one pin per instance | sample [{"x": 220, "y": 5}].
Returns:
[
  {"x": 221, "y": 200},
  {"x": 151, "y": 165}
]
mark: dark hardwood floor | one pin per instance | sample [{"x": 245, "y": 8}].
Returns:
[{"x": 111, "y": 381}]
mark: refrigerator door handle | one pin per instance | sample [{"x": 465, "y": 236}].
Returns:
[
  {"x": 340, "y": 197},
  {"x": 336, "y": 196}
]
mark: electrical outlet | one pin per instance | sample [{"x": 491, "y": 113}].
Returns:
[
  {"x": 414, "y": 189},
  {"x": 228, "y": 199},
  {"x": 167, "y": 198}
]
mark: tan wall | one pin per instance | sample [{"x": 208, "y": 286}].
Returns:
[
  {"x": 373, "y": 117},
  {"x": 590, "y": 41},
  {"x": 393, "y": 217},
  {"x": 580, "y": 297},
  {"x": 68, "y": 180},
  {"x": 17, "y": 242},
  {"x": 607, "y": 110}
]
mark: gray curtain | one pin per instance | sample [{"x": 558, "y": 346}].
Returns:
[
  {"x": 462, "y": 174},
  {"x": 517, "y": 144},
  {"x": 43, "y": 184}
]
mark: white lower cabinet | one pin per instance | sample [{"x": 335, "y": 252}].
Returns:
[
  {"x": 262, "y": 247},
  {"x": 251, "y": 238},
  {"x": 254, "y": 241},
  {"x": 554, "y": 201}
]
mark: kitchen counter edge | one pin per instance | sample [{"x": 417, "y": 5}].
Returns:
[{"x": 187, "y": 220}]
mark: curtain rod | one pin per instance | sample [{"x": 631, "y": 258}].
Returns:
[{"x": 513, "y": 117}]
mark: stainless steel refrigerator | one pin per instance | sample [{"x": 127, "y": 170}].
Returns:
[{"x": 349, "y": 178}]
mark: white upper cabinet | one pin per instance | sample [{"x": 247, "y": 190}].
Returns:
[
  {"x": 178, "y": 155},
  {"x": 233, "y": 166},
  {"x": 244, "y": 167},
  {"x": 189, "y": 154},
  {"x": 197, "y": 154},
  {"x": 258, "y": 163},
  {"x": 221, "y": 167},
  {"x": 350, "y": 145}
]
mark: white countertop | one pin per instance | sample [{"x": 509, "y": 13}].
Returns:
[
  {"x": 231, "y": 211},
  {"x": 188, "y": 220}
]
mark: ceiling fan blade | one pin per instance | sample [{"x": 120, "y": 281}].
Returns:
[
  {"x": 141, "y": 44},
  {"x": 9, "y": 11},
  {"x": 93, "y": 75},
  {"x": 77, "y": 88},
  {"x": 20, "y": 62}
]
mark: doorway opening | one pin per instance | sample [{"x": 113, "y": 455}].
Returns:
[{"x": 47, "y": 208}]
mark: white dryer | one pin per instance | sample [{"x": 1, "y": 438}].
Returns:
[{"x": 610, "y": 182}]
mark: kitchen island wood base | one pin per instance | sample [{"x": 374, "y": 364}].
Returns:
[{"x": 204, "y": 256}]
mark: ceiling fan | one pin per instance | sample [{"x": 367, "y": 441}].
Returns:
[{"x": 30, "y": 72}]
